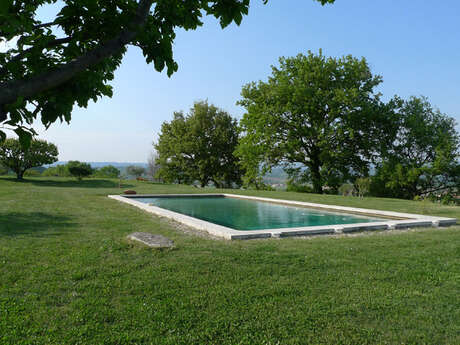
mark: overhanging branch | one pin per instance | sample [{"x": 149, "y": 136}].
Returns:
[{"x": 10, "y": 91}]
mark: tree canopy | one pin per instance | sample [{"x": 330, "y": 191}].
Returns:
[
  {"x": 79, "y": 169},
  {"x": 423, "y": 156},
  {"x": 107, "y": 171},
  {"x": 18, "y": 158},
  {"x": 318, "y": 116},
  {"x": 135, "y": 171},
  {"x": 53, "y": 66},
  {"x": 199, "y": 147}
]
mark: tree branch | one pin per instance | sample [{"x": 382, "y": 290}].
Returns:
[
  {"x": 22, "y": 54},
  {"x": 44, "y": 25},
  {"x": 10, "y": 91}
]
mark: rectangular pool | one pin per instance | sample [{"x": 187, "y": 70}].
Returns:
[
  {"x": 234, "y": 216},
  {"x": 242, "y": 214}
]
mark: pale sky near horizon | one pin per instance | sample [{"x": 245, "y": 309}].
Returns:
[{"x": 414, "y": 45}]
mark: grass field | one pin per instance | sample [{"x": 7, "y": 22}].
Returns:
[{"x": 69, "y": 276}]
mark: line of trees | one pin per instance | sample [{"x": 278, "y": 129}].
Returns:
[
  {"x": 323, "y": 120},
  {"x": 318, "y": 117}
]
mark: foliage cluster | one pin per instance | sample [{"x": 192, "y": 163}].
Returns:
[
  {"x": 199, "y": 147},
  {"x": 18, "y": 158},
  {"x": 79, "y": 169},
  {"x": 322, "y": 119},
  {"x": 72, "y": 58},
  {"x": 136, "y": 171},
  {"x": 3, "y": 169},
  {"x": 108, "y": 171}
]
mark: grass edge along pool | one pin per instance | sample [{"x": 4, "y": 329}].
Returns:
[{"x": 397, "y": 220}]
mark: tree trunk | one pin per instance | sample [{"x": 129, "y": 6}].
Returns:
[
  {"x": 20, "y": 175},
  {"x": 316, "y": 177}
]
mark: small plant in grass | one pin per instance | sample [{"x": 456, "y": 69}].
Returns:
[
  {"x": 362, "y": 186},
  {"x": 79, "y": 169},
  {"x": 346, "y": 189}
]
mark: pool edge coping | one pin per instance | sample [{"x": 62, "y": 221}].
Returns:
[{"x": 408, "y": 219}]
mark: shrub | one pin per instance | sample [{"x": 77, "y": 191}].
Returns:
[
  {"x": 294, "y": 186},
  {"x": 346, "y": 189},
  {"x": 32, "y": 173},
  {"x": 135, "y": 171},
  {"x": 362, "y": 186},
  {"x": 79, "y": 169},
  {"x": 57, "y": 171},
  {"x": 3, "y": 170},
  {"x": 108, "y": 171}
]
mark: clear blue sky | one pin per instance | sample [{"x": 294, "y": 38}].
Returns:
[{"x": 414, "y": 45}]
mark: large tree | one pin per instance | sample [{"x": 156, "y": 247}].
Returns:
[
  {"x": 51, "y": 66},
  {"x": 18, "y": 158},
  {"x": 199, "y": 147},
  {"x": 319, "y": 116},
  {"x": 423, "y": 157}
]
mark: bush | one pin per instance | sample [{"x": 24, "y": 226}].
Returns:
[
  {"x": 3, "y": 170},
  {"x": 32, "y": 173},
  {"x": 293, "y": 186},
  {"x": 362, "y": 186},
  {"x": 79, "y": 169},
  {"x": 135, "y": 171},
  {"x": 108, "y": 171},
  {"x": 346, "y": 189},
  {"x": 57, "y": 171}
]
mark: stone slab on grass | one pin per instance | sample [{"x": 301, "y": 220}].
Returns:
[{"x": 151, "y": 240}]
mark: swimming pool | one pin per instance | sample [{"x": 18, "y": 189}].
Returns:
[
  {"x": 244, "y": 214},
  {"x": 234, "y": 216}
]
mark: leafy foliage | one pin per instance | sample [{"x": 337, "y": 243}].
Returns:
[
  {"x": 423, "y": 157},
  {"x": 135, "y": 171},
  {"x": 346, "y": 189},
  {"x": 18, "y": 158},
  {"x": 199, "y": 147},
  {"x": 71, "y": 59},
  {"x": 108, "y": 171},
  {"x": 314, "y": 112},
  {"x": 3, "y": 169},
  {"x": 152, "y": 165},
  {"x": 61, "y": 170},
  {"x": 79, "y": 169},
  {"x": 362, "y": 186}
]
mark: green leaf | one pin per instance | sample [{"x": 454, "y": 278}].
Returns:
[{"x": 25, "y": 137}]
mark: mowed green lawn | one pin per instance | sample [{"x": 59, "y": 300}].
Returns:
[{"x": 69, "y": 276}]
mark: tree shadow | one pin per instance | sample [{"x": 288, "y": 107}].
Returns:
[
  {"x": 89, "y": 183},
  {"x": 33, "y": 223}
]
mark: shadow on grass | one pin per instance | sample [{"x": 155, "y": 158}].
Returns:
[
  {"x": 68, "y": 183},
  {"x": 33, "y": 223}
]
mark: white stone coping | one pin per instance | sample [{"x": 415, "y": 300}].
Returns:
[{"x": 399, "y": 220}]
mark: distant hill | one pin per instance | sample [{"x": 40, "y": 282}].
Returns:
[{"x": 119, "y": 165}]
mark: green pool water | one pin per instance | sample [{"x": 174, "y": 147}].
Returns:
[{"x": 241, "y": 214}]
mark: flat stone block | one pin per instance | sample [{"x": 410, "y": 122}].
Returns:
[{"x": 151, "y": 240}]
